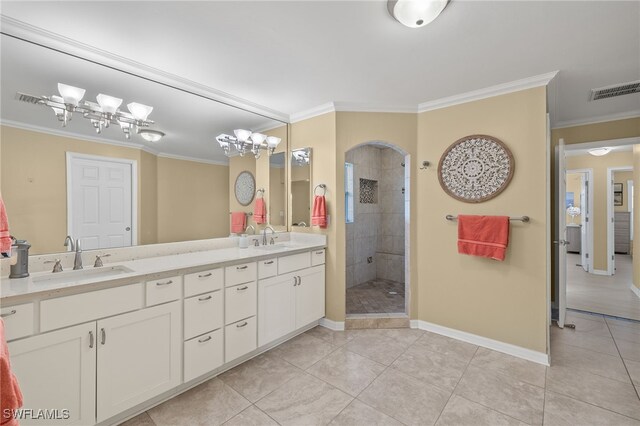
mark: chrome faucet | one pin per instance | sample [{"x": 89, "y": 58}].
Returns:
[
  {"x": 253, "y": 228},
  {"x": 77, "y": 263},
  {"x": 264, "y": 234},
  {"x": 69, "y": 242}
]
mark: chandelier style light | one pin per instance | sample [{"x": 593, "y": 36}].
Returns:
[
  {"x": 102, "y": 114},
  {"x": 246, "y": 141}
]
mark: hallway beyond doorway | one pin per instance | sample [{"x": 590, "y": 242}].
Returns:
[{"x": 609, "y": 295}]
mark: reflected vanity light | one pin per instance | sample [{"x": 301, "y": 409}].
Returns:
[
  {"x": 246, "y": 140},
  {"x": 102, "y": 114},
  {"x": 151, "y": 135},
  {"x": 599, "y": 152}
]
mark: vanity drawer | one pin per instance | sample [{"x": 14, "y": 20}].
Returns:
[
  {"x": 238, "y": 274},
  {"x": 203, "y": 354},
  {"x": 164, "y": 290},
  {"x": 240, "y": 302},
  {"x": 295, "y": 262},
  {"x": 267, "y": 268},
  {"x": 240, "y": 338},
  {"x": 203, "y": 282},
  {"x": 317, "y": 257},
  {"x": 79, "y": 308},
  {"x": 18, "y": 320},
  {"x": 202, "y": 313}
]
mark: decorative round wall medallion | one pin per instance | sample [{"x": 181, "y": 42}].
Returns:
[
  {"x": 245, "y": 188},
  {"x": 475, "y": 168}
]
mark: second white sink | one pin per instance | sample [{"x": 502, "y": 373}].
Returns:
[{"x": 81, "y": 275}]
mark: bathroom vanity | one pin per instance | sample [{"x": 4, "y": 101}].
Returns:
[{"x": 109, "y": 342}]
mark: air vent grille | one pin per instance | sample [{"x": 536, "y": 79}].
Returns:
[
  {"x": 616, "y": 90},
  {"x": 30, "y": 99}
]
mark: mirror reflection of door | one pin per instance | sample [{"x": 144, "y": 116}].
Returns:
[
  {"x": 301, "y": 187},
  {"x": 100, "y": 201},
  {"x": 277, "y": 177}
]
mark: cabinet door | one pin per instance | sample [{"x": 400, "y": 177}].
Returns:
[
  {"x": 139, "y": 357},
  {"x": 310, "y": 296},
  {"x": 276, "y": 308},
  {"x": 57, "y": 371}
]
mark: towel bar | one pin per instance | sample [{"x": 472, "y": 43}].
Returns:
[
  {"x": 321, "y": 186},
  {"x": 521, "y": 218}
]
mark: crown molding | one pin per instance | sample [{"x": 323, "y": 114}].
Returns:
[
  {"x": 489, "y": 92},
  {"x": 312, "y": 112},
  {"x": 193, "y": 159},
  {"x": 22, "y": 30},
  {"x": 67, "y": 134},
  {"x": 361, "y": 107},
  {"x": 266, "y": 127},
  {"x": 596, "y": 120}
]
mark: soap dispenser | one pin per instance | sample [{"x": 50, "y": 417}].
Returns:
[
  {"x": 243, "y": 242},
  {"x": 21, "y": 267}
]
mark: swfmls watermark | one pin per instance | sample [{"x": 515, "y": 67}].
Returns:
[{"x": 36, "y": 414}]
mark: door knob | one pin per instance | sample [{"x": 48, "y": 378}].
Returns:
[
  {"x": 127, "y": 228},
  {"x": 561, "y": 242}
]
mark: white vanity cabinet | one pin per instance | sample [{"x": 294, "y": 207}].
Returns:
[
  {"x": 290, "y": 301},
  {"x": 57, "y": 370}
]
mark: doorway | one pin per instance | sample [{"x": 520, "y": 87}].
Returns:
[
  {"x": 101, "y": 201},
  {"x": 377, "y": 221}
]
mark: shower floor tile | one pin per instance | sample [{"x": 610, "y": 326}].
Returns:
[{"x": 376, "y": 296}]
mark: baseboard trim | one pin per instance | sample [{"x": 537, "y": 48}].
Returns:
[
  {"x": 635, "y": 290},
  {"x": 600, "y": 272},
  {"x": 507, "y": 348},
  {"x": 331, "y": 325}
]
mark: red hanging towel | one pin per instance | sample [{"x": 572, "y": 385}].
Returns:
[
  {"x": 10, "y": 395},
  {"x": 238, "y": 222},
  {"x": 484, "y": 236},
  {"x": 319, "y": 215},
  {"x": 260, "y": 211},
  {"x": 5, "y": 237}
]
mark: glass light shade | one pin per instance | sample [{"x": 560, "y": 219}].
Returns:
[
  {"x": 58, "y": 99},
  {"x": 242, "y": 135},
  {"x": 273, "y": 141},
  {"x": 223, "y": 141},
  {"x": 71, "y": 95},
  {"x": 109, "y": 104},
  {"x": 139, "y": 111},
  {"x": 599, "y": 152},
  {"x": 418, "y": 13},
  {"x": 151, "y": 135},
  {"x": 258, "y": 138}
]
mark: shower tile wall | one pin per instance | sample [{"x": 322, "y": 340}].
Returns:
[{"x": 378, "y": 229}]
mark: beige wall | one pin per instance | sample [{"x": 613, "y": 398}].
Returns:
[
  {"x": 192, "y": 200},
  {"x": 623, "y": 178},
  {"x": 599, "y": 214},
  {"x": 636, "y": 218},
  {"x": 238, "y": 165},
  {"x": 33, "y": 178},
  {"x": 277, "y": 199},
  {"x": 505, "y": 301}
]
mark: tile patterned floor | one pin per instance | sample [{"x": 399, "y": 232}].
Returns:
[
  {"x": 609, "y": 295},
  {"x": 412, "y": 377},
  {"x": 375, "y": 297}
]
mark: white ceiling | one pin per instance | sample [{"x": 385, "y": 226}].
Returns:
[{"x": 293, "y": 56}]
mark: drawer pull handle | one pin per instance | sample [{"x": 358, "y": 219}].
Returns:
[
  {"x": 91, "y": 339},
  {"x": 8, "y": 314},
  {"x": 240, "y": 268},
  {"x": 202, "y": 299},
  {"x": 242, "y": 288},
  {"x": 205, "y": 275},
  {"x": 104, "y": 336},
  {"x": 299, "y": 280},
  {"x": 242, "y": 325},
  {"x": 206, "y": 339},
  {"x": 269, "y": 262},
  {"x": 295, "y": 281},
  {"x": 165, "y": 283},
  {"x": 319, "y": 252}
]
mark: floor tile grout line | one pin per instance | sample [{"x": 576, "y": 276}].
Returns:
[
  {"x": 591, "y": 404},
  {"x": 544, "y": 399},
  {"x": 623, "y": 362}
]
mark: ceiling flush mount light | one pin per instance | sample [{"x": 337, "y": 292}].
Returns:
[
  {"x": 599, "y": 152},
  {"x": 245, "y": 140},
  {"x": 416, "y": 13},
  {"x": 102, "y": 114}
]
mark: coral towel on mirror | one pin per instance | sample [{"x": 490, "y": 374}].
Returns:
[
  {"x": 319, "y": 214},
  {"x": 260, "y": 211},
  {"x": 484, "y": 236}
]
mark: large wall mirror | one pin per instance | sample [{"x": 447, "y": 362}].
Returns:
[
  {"x": 104, "y": 188},
  {"x": 301, "y": 187}
]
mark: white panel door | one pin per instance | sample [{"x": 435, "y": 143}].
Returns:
[
  {"x": 562, "y": 237},
  {"x": 310, "y": 296},
  {"x": 585, "y": 214},
  {"x": 101, "y": 202},
  {"x": 276, "y": 308},
  {"x": 139, "y": 357},
  {"x": 57, "y": 370}
]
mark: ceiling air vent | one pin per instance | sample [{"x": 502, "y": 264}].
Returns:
[
  {"x": 30, "y": 99},
  {"x": 615, "y": 90}
]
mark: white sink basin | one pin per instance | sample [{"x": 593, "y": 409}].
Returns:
[
  {"x": 81, "y": 275},
  {"x": 273, "y": 247}
]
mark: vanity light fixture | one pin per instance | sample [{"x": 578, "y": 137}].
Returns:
[
  {"x": 245, "y": 140},
  {"x": 102, "y": 114},
  {"x": 599, "y": 152},
  {"x": 415, "y": 13}
]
